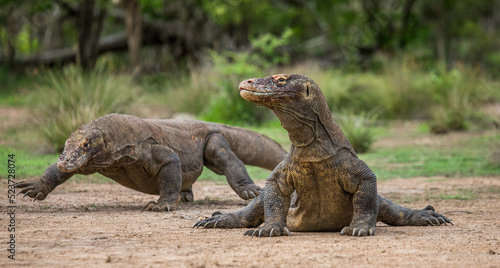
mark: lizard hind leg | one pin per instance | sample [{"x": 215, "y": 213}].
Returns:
[
  {"x": 394, "y": 214},
  {"x": 219, "y": 158}
]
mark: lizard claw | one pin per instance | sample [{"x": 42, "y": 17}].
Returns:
[
  {"x": 219, "y": 220},
  {"x": 160, "y": 206},
  {"x": 271, "y": 230},
  {"x": 427, "y": 217},
  {"x": 287, "y": 231},
  {"x": 356, "y": 231},
  {"x": 250, "y": 191}
]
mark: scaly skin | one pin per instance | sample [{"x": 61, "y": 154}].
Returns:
[
  {"x": 321, "y": 185},
  {"x": 162, "y": 157}
]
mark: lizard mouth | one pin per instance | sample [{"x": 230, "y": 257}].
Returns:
[{"x": 258, "y": 96}]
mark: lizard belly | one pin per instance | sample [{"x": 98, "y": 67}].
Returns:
[
  {"x": 192, "y": 167},
  {"x": 322, "y": 204},
  {"x": 134, "y": 177}
]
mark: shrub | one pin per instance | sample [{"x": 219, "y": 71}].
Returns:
[
  {"x": 227, "y": 106},
  {"x": 359, "y": 129},
  {"x": 457, "y": 95},
  {"x": 402, "y": 95},
  {"x": 69, "y": 98},
  {"x": 211, "y": 91},
  {"x": 192, "y": 94}
]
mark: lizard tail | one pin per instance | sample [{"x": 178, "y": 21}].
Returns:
[{"x": 253, "y": 148}]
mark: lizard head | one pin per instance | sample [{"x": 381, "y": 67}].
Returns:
[
  {"x": 81, "y": 146},
  {"x": 280, "y": 90}
]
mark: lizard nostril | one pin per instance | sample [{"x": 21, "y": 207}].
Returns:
[{"x": 249, "y": 81}]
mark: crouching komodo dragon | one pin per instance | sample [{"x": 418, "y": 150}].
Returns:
[
  {"x": 321, "y": 185},
  {"x": 162, "y": 157}
]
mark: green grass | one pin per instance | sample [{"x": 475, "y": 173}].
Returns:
[
  {"x": 27, "y": 164},
  {"x": 461, "y": 194},
  {"x": 30, "y": 165},
  {"x": 468, "y": 157}
]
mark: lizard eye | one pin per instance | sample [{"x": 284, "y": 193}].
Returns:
[
  {"x": 86, "y": 145},
  {"x": 281, "y": 80}
]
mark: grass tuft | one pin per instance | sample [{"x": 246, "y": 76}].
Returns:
[
  {"x": 359, "y": 129},
  {"x": 69, "y": 98}
]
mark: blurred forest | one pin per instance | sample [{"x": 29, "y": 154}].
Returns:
[
  {"x": 334, "y": 32},
  {"x": 435, "y": 60}
]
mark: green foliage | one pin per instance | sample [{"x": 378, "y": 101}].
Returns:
[
  {"x": 69, "y": 98},
  {"x": 359, "y": 129},
  {"x": 227, "y": 106},
  {"x": 268, "y": 46},
  {"x": 211, "y": 91},
  {"x": 11, "y": 83},
  {"x": 457, "y": 94},
  {"x": 401, "y": 95},
  {"x": 403, "y": 89},
  {"x": 193, "y": 93}
]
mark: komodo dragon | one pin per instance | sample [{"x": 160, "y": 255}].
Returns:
[
  {"x": 162, "y": 157},
  {"x": 321, "y": 185}
]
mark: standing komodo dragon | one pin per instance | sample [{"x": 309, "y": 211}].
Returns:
[
  {"x": 321, "y": 185},
  {"x": 162, "y": 157}
]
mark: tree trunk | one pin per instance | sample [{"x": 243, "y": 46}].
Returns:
[
  {"x": 443, "y": 32},
  {"x": 89, "y": 29},
  {"x": 133, "y": 25}
]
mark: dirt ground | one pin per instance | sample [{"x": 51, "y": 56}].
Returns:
[
  {"x": 83, "y": 224},
  {"x": 102, "y": 225}
]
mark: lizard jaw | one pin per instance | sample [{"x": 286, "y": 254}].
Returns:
[{"x": 71, "y": 162}]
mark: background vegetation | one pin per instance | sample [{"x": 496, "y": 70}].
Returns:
[{"x": 377, "y": 62}]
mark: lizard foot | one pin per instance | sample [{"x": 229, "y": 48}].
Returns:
[
  {"x": 33, "y": 189},
  {"x": 160, "y": 206},
  {"x": 268, "y": 230},
  {"x": 359, "y": 229},
  {"x": 187, "y": 196},
  {"x": 427, "y": 217},
  {"x": 250, "y": 191},
  {"x": 219, "y": 220}
]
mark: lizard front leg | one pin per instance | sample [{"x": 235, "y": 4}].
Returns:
[
  {"x": 250, "y": 216},
  {"x": 276, "y": 204},
  {"x": 220, "y": 159},
  {"x": 39, "y": 189},
  {"x": 361, "y": 181},
  {"x": 169, "y": 179}
]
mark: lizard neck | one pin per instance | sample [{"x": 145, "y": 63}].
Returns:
[{"x": 309, "y": 136}]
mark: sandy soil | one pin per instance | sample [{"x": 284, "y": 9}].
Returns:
[{"x": 82, "y": 224}]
